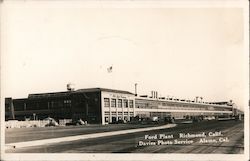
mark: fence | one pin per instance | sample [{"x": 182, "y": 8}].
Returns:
[
  {"x": 21, "y": 124},
  {"x": 64, "y": 121},
  {"x": 32, "y": 123}
]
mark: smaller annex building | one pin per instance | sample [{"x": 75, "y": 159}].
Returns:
[{"x": 101, "y": 106}]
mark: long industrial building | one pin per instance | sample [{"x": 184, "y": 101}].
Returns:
[{"x": 102, "y": 106}]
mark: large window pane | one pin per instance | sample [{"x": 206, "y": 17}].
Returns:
[
  {"x": 119, "y": 103},
  {"x": 106, "y": 102},
  {"x": 131, "y": 103},
  {"x": 113, "y": 102},
  {"x": 125, "y": 103}
]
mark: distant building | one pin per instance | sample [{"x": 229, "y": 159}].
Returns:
[{"x": 101, "y": 106}]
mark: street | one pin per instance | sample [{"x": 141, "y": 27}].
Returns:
[{"x": 222, "y": 137}]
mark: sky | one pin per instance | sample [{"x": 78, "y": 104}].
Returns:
[{"x": 180, "y": 52}]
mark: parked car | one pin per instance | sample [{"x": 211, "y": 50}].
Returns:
[
  {"x": 76, "y": 122},
  {"x": 209, "y": 118},
  {"x": 52, "y": 122}
]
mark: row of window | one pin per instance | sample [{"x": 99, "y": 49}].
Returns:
[
  {"x": 114, "y": 119},
  {"x": 20, "y": 106},
  {"x": 155, "y": 104},
  {"x": 119, "y": 113},
  {"x": 178, "y": 107},
  {"x": 59, "y": 104},
  {"x": 120, "y": 103},
  {"x": 183, "y": 108}
]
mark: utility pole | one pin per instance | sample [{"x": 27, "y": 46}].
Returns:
[{"x": 135, "y": 89}]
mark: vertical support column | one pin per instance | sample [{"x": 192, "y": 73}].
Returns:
[
  {"x": 24, "y": 106},
  {"x": 116, "y": 107},
  {"x": 122, "y": 109},
  {"x": 128, "y": 110},
  {"x": 12, "y": 110},
  {"x": 102, "y": 109},
  {"x": 134, "y": 107},
  {"x": 87, "y": 110},
  {"x": 110, "y": 113}
]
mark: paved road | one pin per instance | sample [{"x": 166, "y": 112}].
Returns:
[
  {"x": 128, "y": 143},
  {"x": 27, "y": 134},
  {"x": 42, "y": 142}
]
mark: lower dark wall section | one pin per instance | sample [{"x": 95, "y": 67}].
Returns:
[{"x": 70, "y": 105}]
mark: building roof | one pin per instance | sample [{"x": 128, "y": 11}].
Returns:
[
  {"x": 103, "y": 89},
  {"x": 180, "y": 101},
  {"x": 51, "y": 94},
  {"x": 67, "y": 93}
]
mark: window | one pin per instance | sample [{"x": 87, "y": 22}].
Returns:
[
  {"x": 131, "y": 103},
  {"x": 119, "y": 103},
  {"x": 125, "y": 103},
  {"x": 113, "y": 102},
  {"x": 125, "y": 118},
  {"x": 67, "y": 103},
  {"x": 106, "y": 102},
  {"x": 106, "y": 119}
]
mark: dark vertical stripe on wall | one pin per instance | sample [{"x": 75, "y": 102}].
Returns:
[{"x": 100, "y": 105}]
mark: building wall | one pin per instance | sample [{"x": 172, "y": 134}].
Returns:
[
  {"x": 87, "y": 106},
  {"x": 147, "y": 107},
  {"x": 117, "y": 106},
  {"x": 105, "y": 106},
  {"x": 60, "y": 106},
  {"x": 9, "y": 109}
]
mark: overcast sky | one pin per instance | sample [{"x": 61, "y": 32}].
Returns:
[{"x": 181, "y": 52}]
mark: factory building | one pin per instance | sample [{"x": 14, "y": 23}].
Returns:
[
  {"x": 94, "y": 105},
  {"x": 102, "y": 106},
  {"x": 178, "y": 109}
]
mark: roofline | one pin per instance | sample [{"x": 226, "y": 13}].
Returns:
[
  {"x": 79, "y": 91},
  {"x": 182, "y": 102},
  {"x": 104, "y": 89}
]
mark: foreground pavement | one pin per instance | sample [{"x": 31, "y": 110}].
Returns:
[
  {"x": 82, "y": 137},
  {"x": 226, "y": 137},
  {"x": 38, "y": 133}
]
